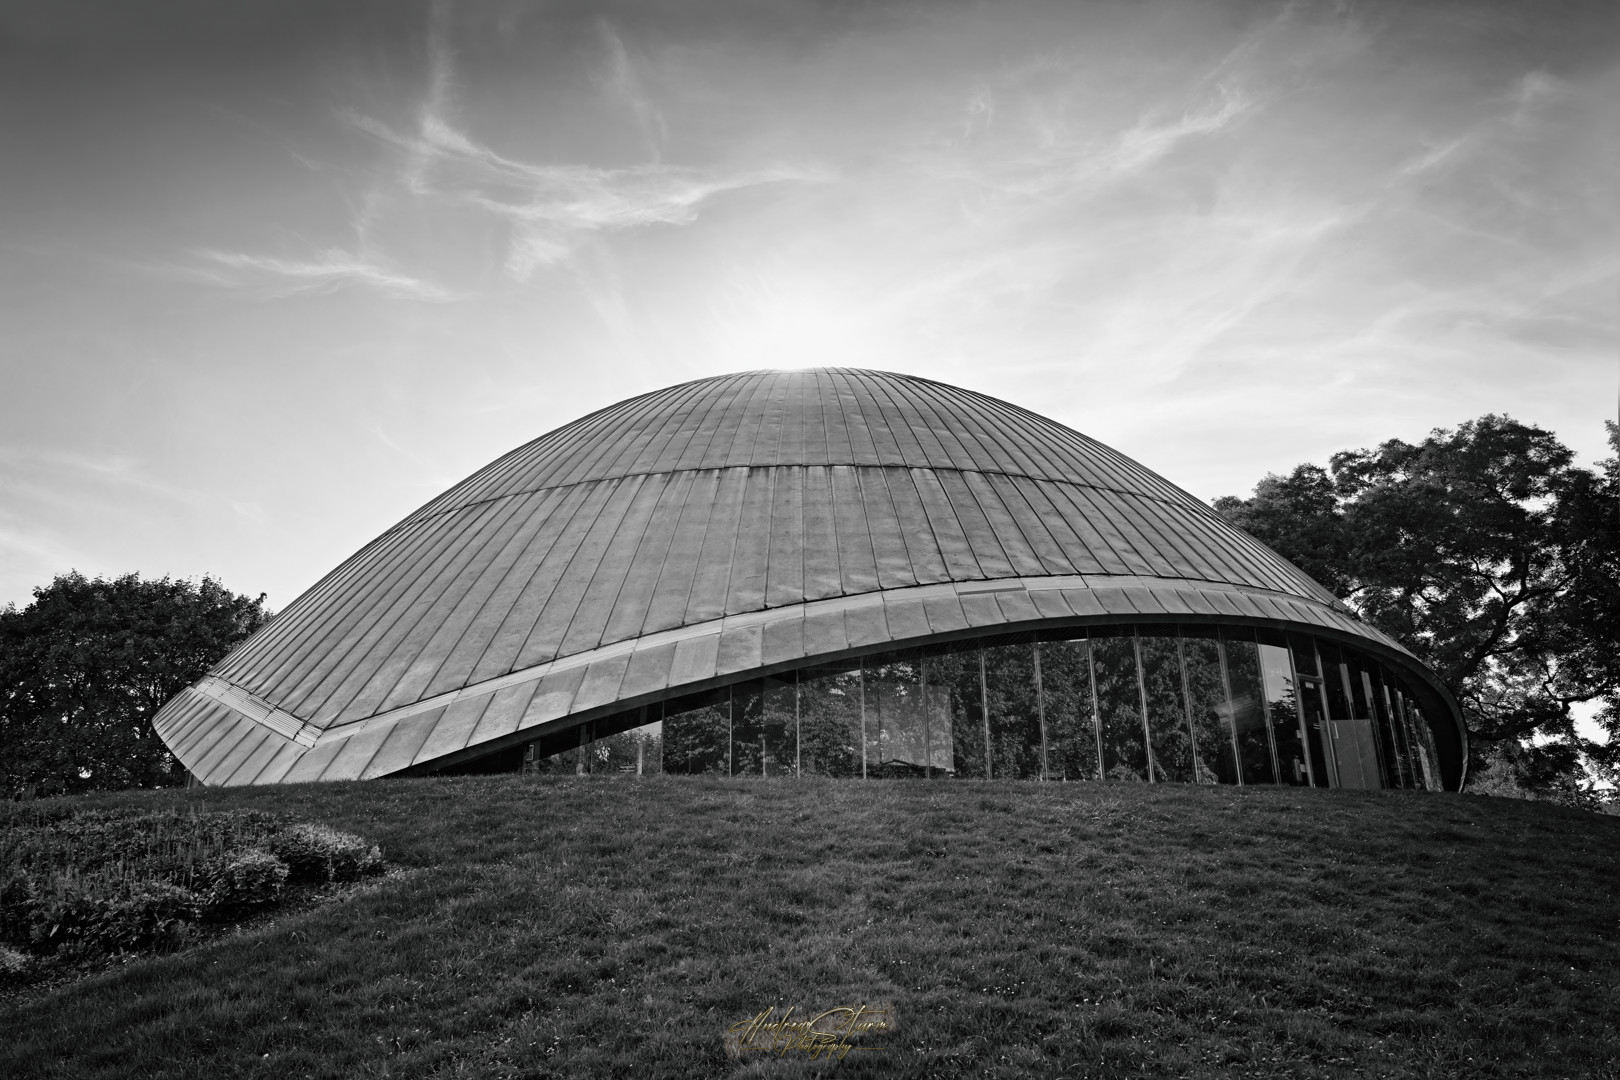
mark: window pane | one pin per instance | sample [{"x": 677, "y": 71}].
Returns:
[
  {"x": 1437, "y": 782},
  {"x": 647, "y": 749},
  {"x": 830, "y": 721},
  {"x": 1368, "y": 730},
  {"x": 1397, "y": 723},
  {"x": 1071, "y": 728},
  {"x": 1423, "y": 745},
  {"x": 953, "y": 693},
  {"x": 632, "y": 752},
  {"x": 1360, "y": 699},
  {"x": 938, "y": 726},
  {"x": 1015, "y": 724},
  {"x": 1119, "y": 705},
  {"x": 1211, "y": 714},
  {"x": 1313, "y": 712},
  {"x": 1251, "y": 714},
  {"x": 1304, "y": 655},
  {"x": 1403, "y": 731},
  {"x": 748, "y": 751},
  {"x": 559, "y": 762},
  {"x": 1282, "y": 712},
  {"x": 781, "y": 727},
  {"x": 1333, "y": 684},
  {"x": 697, "y": 734},
  {"x": 1429, "y": 747},
  {"x": 1166, "y": 708},
  {"x": 1313, "y": 709},
  {"x": 1388, "y": 746},
  {"x": 636, "y": 752},
  {"x": 901, "y": 733},
  {"x": 1347, "y": 737}
]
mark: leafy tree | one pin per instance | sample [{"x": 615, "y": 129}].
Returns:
[
  {"x": 85, "y": 667},
  {"x": 1490, "y": 555}
]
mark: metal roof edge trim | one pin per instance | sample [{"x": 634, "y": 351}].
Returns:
[
  {"x": 257, "y": 709},
  {"x": 1360, "y": 636},
  {"x": 308, "y": 736},
  {"x": 852, "y": 602}
]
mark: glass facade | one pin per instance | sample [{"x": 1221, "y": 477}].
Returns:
[{"x": 1151, "y": 703}]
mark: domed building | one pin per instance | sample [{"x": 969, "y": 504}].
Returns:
[{"x": 836, "y": 572}]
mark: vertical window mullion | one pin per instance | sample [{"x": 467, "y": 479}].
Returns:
[
  {"x": 1040, "y": 705},
  {"x": 928, "y": 721},
  {"x": 1141, "y": 690},
  {"x": 1096, "y": 710},
  {"x": 984, "y": 713},
  {"x": 1231, "y": 708},
  {"x": 1186, "y": 704},
  {"x": 862, "y": 681}
]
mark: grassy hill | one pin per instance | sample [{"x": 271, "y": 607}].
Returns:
[{"x": 615, "y": 927}]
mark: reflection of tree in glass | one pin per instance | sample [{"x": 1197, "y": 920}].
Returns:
[
  {"x": 1167, "y": 715},
  {"x": 953, "y": 687},
  {"x": 778, "y": 740},
  {"x": 1015, "y": 724},
  {"x": 749, "y": 753},
  {"x": 1119, "y": 708},
  {"x": 1071, "y": 731},
  {"x": 556, "y": 763},
  {"x": 830, "y": 723},
  {"x": 913, "y": 736},
  {"x": 1206, "y": 691},
  {"x": 627, "y": 752},
  {"x": 698, "y": 740},
  {"x": 894, "y": 719},
  {"x": 1285, "y": 730},
  {"x": 1249, "y": 712}
]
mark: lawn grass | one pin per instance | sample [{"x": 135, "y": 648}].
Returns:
[{"x": 617, "y": 927}]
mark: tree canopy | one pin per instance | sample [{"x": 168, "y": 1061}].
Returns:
[
  {"x": 87, "y": 664},
  {"x": 1487, "y": 552}
]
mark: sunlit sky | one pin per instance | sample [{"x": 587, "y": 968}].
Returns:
[{"x": 272, "y": 274}]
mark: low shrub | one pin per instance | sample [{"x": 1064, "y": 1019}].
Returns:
[
  {"x": 15, "y": 904},
  {"x": 96, "y": 913},
  {"x": 60, "y": 909},
  {"x": 155, "y": 914},
  {"x": 242, "y": 882},
  {"x": 316, "y": 853},
  {"x": 117, "y": 881},
  {"x": 14, "y": 965}
]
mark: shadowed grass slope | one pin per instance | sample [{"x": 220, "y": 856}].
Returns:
[{"x": 614, "y": 927}]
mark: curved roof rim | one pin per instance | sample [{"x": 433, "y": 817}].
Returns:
[{"x": 886, "y": 620}]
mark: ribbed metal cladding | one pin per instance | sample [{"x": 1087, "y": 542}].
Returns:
[{"x": 800, "y": 493}]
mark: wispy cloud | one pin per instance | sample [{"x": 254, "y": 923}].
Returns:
[
  {"x": 326, "y": 271},
  {"x": 1434, "y": 156},
  {"x": 551, "y": 209},
  {"x": 1517, "y": 116},
  {"x": 1055, "y": 153},
  {"x": 554, "y": 208},
  {"x": 623, "y": 82},
  {"x": 31, "y": 553},
  {"x": 1150, "y": 139},
  {"x": 567, "y": 204},
  {"x": 52, "y": 475}
]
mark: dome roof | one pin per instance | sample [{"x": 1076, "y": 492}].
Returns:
[{"x": 695, "y": 535}]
